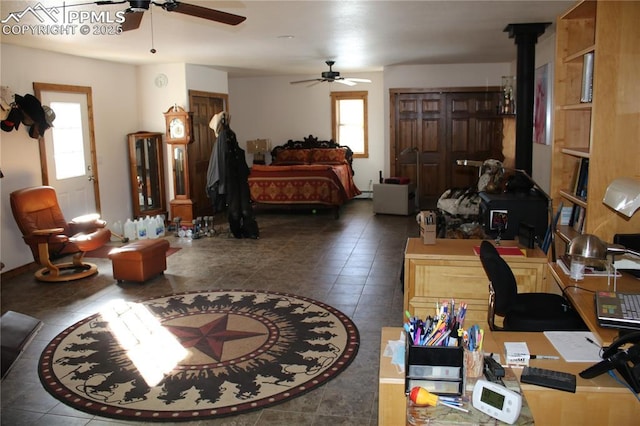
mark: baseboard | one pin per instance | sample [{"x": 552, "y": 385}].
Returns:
[
  {"x": 366, "y": 195},
  {"x": 29, "y": 267}
]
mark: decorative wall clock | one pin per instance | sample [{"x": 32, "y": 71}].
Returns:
[{"x": 178, "y": 125}]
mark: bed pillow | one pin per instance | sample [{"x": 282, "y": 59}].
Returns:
[
  {"x": 329, "y": 156},
  {"x": 293, "y": 156}
]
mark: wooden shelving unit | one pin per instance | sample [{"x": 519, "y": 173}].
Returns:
[{"x": 605, "y": 130}]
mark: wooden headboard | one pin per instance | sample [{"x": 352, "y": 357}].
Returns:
[{"x": 313, "y": 142}]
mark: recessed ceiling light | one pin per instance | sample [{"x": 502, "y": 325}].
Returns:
[{"x": 287, "y": 36}]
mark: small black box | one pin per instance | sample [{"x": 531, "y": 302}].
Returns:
[{"x": 527, "y": 235}]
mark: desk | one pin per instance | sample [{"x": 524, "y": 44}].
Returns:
[
  {"x": 450, "y": 269},
  {"x": 581, "y": 295},
  {"x": 597, "y": 401}
]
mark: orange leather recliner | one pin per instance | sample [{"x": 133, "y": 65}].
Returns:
[{"x": 50, "y": 236}]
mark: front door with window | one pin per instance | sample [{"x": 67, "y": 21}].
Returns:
[{"x": 68, "y": 158}]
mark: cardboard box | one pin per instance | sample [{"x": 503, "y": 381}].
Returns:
[{"x": 427, "y": 221}]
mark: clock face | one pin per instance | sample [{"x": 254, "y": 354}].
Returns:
[
  {"x": 161, "y": 80},
  {"x": 176, "y": 128}
]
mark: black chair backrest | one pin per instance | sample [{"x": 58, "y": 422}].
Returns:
[{"x": 501, "y": 277}]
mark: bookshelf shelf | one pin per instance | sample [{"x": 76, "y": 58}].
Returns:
[
  {"x": 586, "y": 106},
  {"x": 574, "y": 199},
  {"x": 577, "y": 152},
  {"x": 566, "y": 233},
  {"x": 580, "y": 54},
  {"x": 599, "y": 132}
]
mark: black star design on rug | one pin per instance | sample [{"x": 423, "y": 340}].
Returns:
[{"x": 209, "y": 338}]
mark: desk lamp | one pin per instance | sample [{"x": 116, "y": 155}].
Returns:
[
  {"x": 595, "y": 251},
  {"x": 623, "y": 195}
]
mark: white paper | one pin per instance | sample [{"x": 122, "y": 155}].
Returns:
[{"x": 574, "y": 346}]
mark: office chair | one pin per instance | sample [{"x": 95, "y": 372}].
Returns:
[
  {"x": 522, "y": 311},
  {"x": 45, "y": 230}
]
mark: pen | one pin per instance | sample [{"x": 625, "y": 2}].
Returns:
[
  {"x": 446, "y": 404},
  {"x": 544, "y": 357},
  {"x": 592, "y": 342}
]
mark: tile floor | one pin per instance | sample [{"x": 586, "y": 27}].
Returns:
[{"x": 352, "y": 263}]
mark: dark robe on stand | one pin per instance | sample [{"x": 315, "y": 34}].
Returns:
[{"x": 227, "y": 181}]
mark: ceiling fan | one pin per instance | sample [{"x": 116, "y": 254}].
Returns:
[
  {"x": 133, "y": 14},
  {"x": 331, "y": 76}
]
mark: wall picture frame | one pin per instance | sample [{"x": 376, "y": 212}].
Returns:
[{"x": 542, "y": 99}]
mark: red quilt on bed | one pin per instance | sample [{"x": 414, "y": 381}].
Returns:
[{"x": 302, "y": 184}]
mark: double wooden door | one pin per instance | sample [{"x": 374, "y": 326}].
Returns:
[
  {"x": 203, "y": 106},
  {"x": 432, "y": 129}
]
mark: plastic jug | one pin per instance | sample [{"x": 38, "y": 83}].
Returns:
[{"x": 130, "y": 230}]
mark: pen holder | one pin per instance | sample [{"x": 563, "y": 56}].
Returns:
[
  {"x": 473, "y": 363},
  {"x": 438, "y": 369},
  {"x": 427, "y": 221}
]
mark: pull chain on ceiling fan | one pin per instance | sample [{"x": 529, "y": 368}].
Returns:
[{"x": 333, "y": 76}]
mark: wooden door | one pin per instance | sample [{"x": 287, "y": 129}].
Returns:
[
  {"x": 72, "y": 172},
  {"x": 433, "y": 129},
  {"x": 203, "y": 106}
]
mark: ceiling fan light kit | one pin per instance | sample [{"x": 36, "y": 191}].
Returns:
[{"x": 333, "y": 76}]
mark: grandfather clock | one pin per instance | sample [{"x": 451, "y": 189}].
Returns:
[{"x": 178, "y": 135}]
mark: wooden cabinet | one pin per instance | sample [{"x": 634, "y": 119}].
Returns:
[
  {"x": 606, "y": 130},
  {"x": 146, "y": 166},
  {"x": 450, "y": 269}
]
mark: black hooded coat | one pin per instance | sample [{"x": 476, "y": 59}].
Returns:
[{"x": 228, "y": 184}]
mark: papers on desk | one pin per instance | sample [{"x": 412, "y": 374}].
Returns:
[{"x": 574, "y": 346}]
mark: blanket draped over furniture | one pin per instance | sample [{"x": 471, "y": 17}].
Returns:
[
  {"x": 305, "y": 173},
  {"x": 459, "y": 208}
]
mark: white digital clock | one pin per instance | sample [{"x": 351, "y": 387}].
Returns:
[{"x": 497, "y": 401}]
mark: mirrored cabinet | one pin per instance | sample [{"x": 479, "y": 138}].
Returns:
[{"x": 146, "y": 165}]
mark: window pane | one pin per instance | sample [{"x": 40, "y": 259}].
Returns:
[
  {"x": 67, "y": 137},
  {"x": 349, "y": 121}
]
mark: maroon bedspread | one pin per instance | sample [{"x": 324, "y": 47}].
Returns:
[{"x": 302, "y": 184}]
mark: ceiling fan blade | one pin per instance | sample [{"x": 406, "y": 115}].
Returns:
[
  {"x": 307, "y": 81},
  {"x": 358, "y": 80},
  {"x": 131, "y": 20},
  {"x": 103, "y": 2},
  {"x": 345, "y": 82},
  {"x": 203, "y": 12}
]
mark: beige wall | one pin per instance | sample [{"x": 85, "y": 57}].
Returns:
[
  {"x": 127, "y": 100},
  {"x": 271, "y": 107},
  {"x": 115, "y": 104}
]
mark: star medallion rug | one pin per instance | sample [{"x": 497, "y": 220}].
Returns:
[{"x": 197, "y": 355}]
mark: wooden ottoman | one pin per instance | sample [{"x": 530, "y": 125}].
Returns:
[{"x": 139, "y": 260}]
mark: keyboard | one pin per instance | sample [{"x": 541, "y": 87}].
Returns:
[{"x": 549, "y": 378}]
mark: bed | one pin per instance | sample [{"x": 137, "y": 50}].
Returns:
[{"x": 309, "y": 173}]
